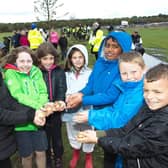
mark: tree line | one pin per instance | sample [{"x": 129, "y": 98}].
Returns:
[{"x": 8, "y": 27}]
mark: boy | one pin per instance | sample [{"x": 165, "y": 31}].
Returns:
[
  {"x": 143, "y": 141},
  {"x": 130, "y": 100}
]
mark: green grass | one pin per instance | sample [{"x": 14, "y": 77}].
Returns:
[{"x": 156, "y": 38}]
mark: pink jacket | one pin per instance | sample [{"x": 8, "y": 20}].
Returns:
[{"x": 54, "y": 37}]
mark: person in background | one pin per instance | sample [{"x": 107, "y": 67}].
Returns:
[
  {"x": 53, "y": 38},
  {"x": 25, "y": 83},
  {"x": 3, "y": 50},
  {"x": 15, "y": 39},
  {"x": 96, "y": 38},
  {"x": 55, "y": 80},
  {"x": 143, "y": 140},
  {"x": 63, "y": 43},
  {"x": 137, "y": 43},
  {"x": 23, "y": 41},
  {"x": 34, "y": 36},
  {"x": 77, "y": 74},
  {"x": 132, "y": 69}
]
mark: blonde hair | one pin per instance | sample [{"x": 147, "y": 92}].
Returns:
[{"x": 132, "y": 57}]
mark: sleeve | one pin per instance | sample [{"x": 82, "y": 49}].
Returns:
[
  {"x": 88, "y": 89},
  {"x": 12, "y": 112},
  {"x": 114, "y": 117},
  {"x": 102, "y": 98},
  {"x": 17, "y": 92},
  {"x": 140, "y": 142},
  {"x": 62, "y": 87}
]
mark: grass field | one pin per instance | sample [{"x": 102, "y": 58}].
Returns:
[{"x": 156, "y": 38}]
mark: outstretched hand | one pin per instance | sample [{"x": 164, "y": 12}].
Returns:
[
  {"x": 40, "y": 117},
  {"x": 74, "y": 100},
  {"x": 81, "y": 117},
  {"x": 88, "y": 136}
]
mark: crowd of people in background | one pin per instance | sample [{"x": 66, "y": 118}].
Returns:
[{"x": 119, "y": 104}]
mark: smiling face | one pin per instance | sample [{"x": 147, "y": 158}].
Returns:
[
  {"x": 112, "y": 50},
  {"x": 130, "y": 71},
  {"x": 47, "y": 61},
  {"x": 156, "y": 93},
  {"x": 78, "y": 60},
  {"x": 24, "y": 62}
]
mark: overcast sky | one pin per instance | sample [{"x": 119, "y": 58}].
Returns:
[{"x": 12, "y": 11}]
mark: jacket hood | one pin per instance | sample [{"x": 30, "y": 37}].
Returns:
[
  {"x": 82, "y": 48},
  {"x": 123, "y": 39}
]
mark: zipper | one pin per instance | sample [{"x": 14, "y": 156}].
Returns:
[{"x": 138, "y": 163}]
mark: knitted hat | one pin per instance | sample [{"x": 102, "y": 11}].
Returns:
[{"x": 33, "y": 26}]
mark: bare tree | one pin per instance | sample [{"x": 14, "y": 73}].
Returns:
[{"x": 47, "y": 9}]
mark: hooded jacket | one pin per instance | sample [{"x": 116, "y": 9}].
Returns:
[
  {"x": 126, "y": 106},
  {"x": 28, "y": 89},
  {"x": 11, "y": 112},
  {"x": 76, "y": 81},
  {"x": 100, "y": 90},
  {"x": 143, "y": 142}
]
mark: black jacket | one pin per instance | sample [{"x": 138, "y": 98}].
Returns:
[
  {"x": 11, "y": 112},
  {"x": 143, "y": 142},
  {"x": 56, "y": 85},
  {"x": 57, "y": 81}
]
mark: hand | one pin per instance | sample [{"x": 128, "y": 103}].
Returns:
[
  {"x": 81, "y": 117},
  {"x": 59, "y": 105},
  {"x": 74, "y": 100},
  {"x": 49, "y": 108},
  {"x": 88, "y": 136},
  {"x": 40, "y": 117}
]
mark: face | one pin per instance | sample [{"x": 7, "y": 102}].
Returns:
[
  {"x": 131, "y": 71},
  {"x": 156, "y": 93},
  {"x": 47, "y": 61},
  {"x": 78, "y": 60},
  {"x": 24, "y": 62},
  {"x": 112, "y": 50}
]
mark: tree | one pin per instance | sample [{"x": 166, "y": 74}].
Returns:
[{"x": 48, "y": 10}]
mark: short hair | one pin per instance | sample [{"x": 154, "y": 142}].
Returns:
[
  {"x": 157, "y": 72},
  {"x": 132, "y": 57},
  {"x": 44, "y": 49}
]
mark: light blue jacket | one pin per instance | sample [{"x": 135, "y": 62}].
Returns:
[{"x": 127, "y": 105}]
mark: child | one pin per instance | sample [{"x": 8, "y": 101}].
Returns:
[
  {"x": 100, "y": 90},
  {"x": 12, "y": 112},
  {"x": 128, "y": 103},
  {"x": 63, "y": 43},
  {"x": 130, "y": 100},
  {"x": 143, "y": 141},
  {"x": 55, "y": 80},
  {"x": 25, "y": 83},
  {"x": 77, "y": 74}
]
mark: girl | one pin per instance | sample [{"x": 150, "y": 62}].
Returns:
[
  {"x": 25, "y": 83},
  {"x": 55, "y": 80},
  {"x": 77, "y": 74}
]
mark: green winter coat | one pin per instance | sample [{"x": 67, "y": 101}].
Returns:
[{"x": 28, "y": 89}]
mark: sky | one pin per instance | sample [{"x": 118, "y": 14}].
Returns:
[{"x": 14, "y": 11}]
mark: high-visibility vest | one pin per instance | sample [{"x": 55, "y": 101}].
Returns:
[{"x": 35, "y": 38}]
